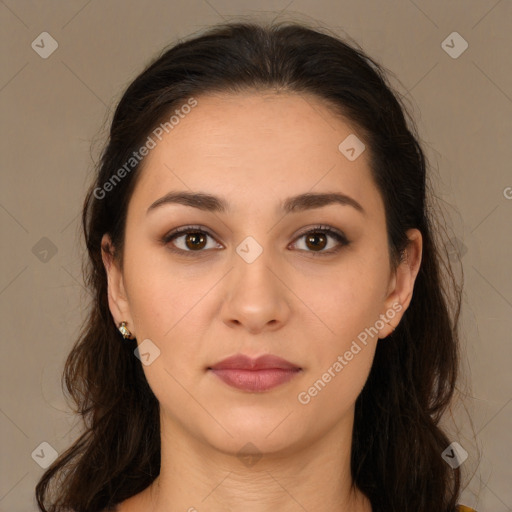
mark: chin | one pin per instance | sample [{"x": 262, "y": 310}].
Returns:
[{"x": 250, "y": 431}]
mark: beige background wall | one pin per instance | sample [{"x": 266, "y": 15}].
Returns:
[{"x": 51, "y": 110}]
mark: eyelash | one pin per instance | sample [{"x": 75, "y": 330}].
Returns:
[{"x": 337, "y": 235}]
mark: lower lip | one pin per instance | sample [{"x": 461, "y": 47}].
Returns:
[{"x": 255, "y": 380}]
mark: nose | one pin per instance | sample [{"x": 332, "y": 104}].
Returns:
[{"x": 255, "y": 297}]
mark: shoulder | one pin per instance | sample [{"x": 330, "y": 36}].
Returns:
[{"x": 464, "y": 508}]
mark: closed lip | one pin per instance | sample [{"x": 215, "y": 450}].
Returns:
[{"x": 243, "y": 362}]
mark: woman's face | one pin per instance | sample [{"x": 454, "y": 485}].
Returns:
[{"x": 253, "y": 282}]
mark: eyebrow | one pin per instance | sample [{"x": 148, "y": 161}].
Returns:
[{"x": 299, "y": 203}]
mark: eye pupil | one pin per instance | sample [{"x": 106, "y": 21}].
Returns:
[
  {"x": 315, "y": 236},
  {"x": 194, "y": 236}
]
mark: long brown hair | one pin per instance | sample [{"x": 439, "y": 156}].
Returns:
[{"x": 397, "y": 440}]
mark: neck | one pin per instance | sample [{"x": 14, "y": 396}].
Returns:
[{"x": 195, "y": 476}]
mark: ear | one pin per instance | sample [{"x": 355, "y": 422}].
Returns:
[
  {"x": 402, "y": 283},
  {"x": 117, "y": 299}
]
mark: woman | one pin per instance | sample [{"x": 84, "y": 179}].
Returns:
[{"x": 270, "y": 329}]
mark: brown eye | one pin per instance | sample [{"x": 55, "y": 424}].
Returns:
[
  {"x": 316, "y": 240},
  {"x": 189, "y": 241},
  {"x": 195, "y": 240}
]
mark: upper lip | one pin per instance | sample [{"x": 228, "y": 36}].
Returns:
[{"x": 243, "y": 362}]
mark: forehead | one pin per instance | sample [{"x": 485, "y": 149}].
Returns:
[{"x": 254, "y": 148}]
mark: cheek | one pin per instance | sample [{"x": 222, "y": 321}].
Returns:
[
  {"x": 168, "y": 304},
  {"x": 158, "y": 293},
  {"x": 331, "y": 393},
  {"x": 347, "y": 308},
  {"x": 153, "y": 304},
  {"x": 341, "y": 358}
]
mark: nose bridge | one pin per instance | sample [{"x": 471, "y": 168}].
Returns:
[{"x": 255, "y": 297}]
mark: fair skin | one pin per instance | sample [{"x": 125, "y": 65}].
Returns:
[{"x": 254, "y": 150}]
